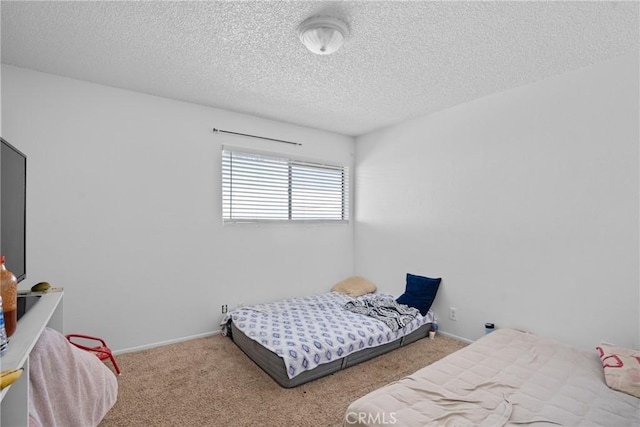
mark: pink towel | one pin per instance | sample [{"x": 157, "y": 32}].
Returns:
[{"x": 68, "y": 387}]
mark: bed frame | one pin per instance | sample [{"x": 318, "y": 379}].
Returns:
[{"x": 274, "y": 365}]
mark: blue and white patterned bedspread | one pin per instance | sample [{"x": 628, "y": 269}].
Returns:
[{"x": 309, "y": 331}]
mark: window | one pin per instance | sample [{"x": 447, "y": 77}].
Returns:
[{"x": 258, "y": 187}]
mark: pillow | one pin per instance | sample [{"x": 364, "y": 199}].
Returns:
[
  {"x": 419, "y": 292},
  {"x": 354, "y": 286},
  {"x": 621, "y": 368}
]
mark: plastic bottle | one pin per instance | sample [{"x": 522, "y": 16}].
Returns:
[
  {"x": 3, "y": 334},
  {"x": 9, "y": 292},
  {"x": 434, "y": 325}
]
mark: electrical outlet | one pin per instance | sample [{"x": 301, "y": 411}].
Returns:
[
  {"x": 453, "y": 313},
  {"x": 224, "y": 308}
]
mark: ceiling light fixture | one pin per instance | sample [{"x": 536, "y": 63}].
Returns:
[{"x": 323, "y": 35}]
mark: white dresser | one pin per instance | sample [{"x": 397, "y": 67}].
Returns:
[{"x": 47, "y": 312}]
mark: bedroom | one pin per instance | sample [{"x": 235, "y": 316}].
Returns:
[{"x": 525, "y": 201}]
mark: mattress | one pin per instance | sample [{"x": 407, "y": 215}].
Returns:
[
  {"x": 301, "y": 339},
  {"x": 507, "y": 377}
]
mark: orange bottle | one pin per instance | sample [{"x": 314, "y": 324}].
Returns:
[{"x": 9, "y": 291}]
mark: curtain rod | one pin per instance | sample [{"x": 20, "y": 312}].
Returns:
[{"x": 255, "y": 136}]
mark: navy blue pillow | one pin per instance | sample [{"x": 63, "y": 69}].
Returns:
[{"x": 419, "y": 292}]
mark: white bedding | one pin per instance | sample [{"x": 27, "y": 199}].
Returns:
[
  {"x": 309, "y": 331},
  {"x": 507, "y": 377}
]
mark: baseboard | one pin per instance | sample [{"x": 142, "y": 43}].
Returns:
[
  {"x": 210, "y": 334},
  {"x": 162, "y": 343},
  {"x": 455, "y": 337}
]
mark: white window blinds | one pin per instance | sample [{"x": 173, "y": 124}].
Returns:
[{"x": 259, "y": 187}]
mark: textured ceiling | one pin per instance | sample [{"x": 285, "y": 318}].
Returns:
[{"x": 401, "y": 60}]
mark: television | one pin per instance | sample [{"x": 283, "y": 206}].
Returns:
[{"x": 13, "y": 209}]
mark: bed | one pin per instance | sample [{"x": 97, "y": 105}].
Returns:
[
  {"x": 507, "y": 377},
  {"x": 301, "y": 339}
]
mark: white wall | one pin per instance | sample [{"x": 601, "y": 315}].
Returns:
[
  {"x": 525, "y": 203},
  {"x": 124, "y": 210}
]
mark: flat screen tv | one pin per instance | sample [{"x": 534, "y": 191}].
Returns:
[{"x": 13, "y": 209}]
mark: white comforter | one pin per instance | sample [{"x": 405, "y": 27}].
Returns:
[
  {"x": 309, "y": 331},
  {"x": 505, "y": 378}
]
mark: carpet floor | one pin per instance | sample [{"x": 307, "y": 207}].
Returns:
[{"x": 211, "y": 382}]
